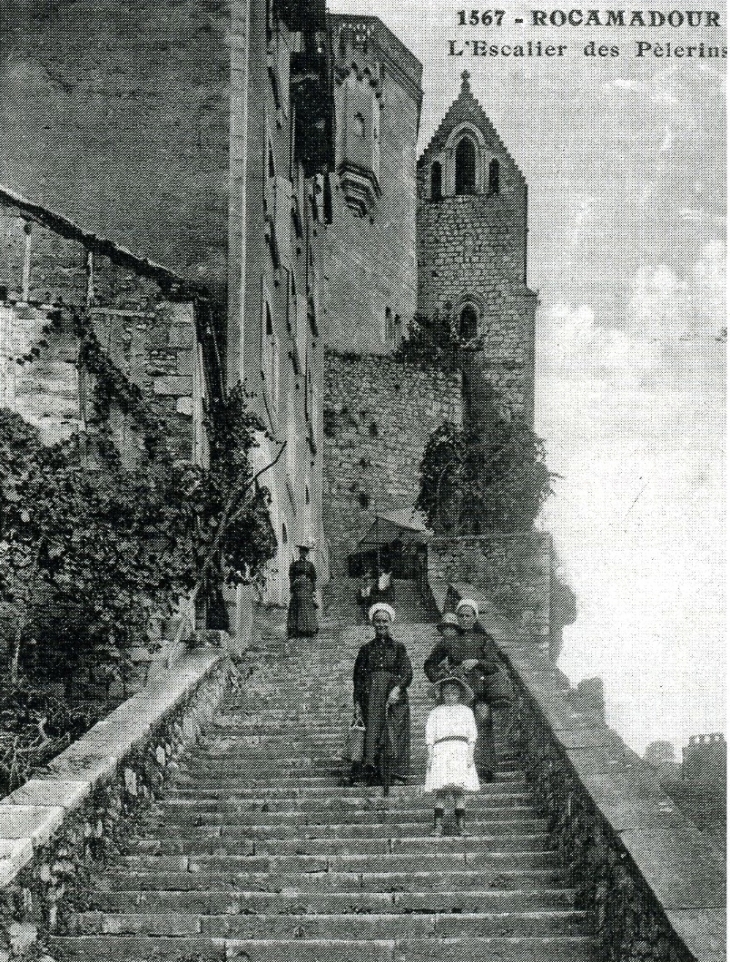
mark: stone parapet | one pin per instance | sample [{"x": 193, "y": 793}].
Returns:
[
  {"x": 654, "y": 884},
  {"x": 513, "y": 570},
  {"x": 59, "y": 825}
]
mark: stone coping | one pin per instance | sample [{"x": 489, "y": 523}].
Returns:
[
  {"x": 31, "y": 814},
  {"x": 678, "y": 863}
]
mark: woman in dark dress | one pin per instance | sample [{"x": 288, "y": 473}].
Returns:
[
  {"x": 302, "y": 616},
  {"x": 472, "y": 655},
  {"x": 380, "y": 681}
]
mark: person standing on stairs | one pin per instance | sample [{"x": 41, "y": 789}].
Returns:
[
  {"x": 451, "y": 734},
  {"x": 302, "y": 616},
  {"x": 380, "y": 679},
  {"x": 466, "y": 652}
]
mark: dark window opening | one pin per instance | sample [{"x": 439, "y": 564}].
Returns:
[
  {"x": 436, "y": 182},
  {"x": 494, "y": 177},
  {"x": 284, "y": 535},
  {"x": 269, "y": 322},
  {"x": 466, "y": 166},
  {"x": 272, "y": 167},
  {"x": 468, "y": 321},
  {"x": 359, "y": 125}
]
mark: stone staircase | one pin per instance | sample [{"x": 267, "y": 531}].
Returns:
[{"x": 256, "y": 853}]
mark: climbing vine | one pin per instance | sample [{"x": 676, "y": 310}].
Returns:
[
  {"x": 435, "y": 342},
  {"x": 94, "y": 546}
]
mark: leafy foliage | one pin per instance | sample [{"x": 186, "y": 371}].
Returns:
[
  {"x": 35, "y": 724},
  {"x": 476, "y": 482},
  {"x": 435, "y": 342},
  {"x": 87, "y": 555}
]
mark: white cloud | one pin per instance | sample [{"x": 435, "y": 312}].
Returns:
[{"x": 666, "y": 321}]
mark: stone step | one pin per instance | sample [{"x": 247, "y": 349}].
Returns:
[
  {"x": 221, "y": 901},
  {"x": 283, "y": 751},
  {"x": 173, "y": 842},
  {"x": 326, "y": 822},
  {"x": 506, "y": 878},
  {"x": 554, "y": 948},
  {"x": 444, "y": 860},
  {"x": 315, "y": 798},
  {"x": 323, "y": 767},
  {"x": 327, "y": 783},
  {"x": 346, "y": 925},
  {"x": 341, "y": 831},
  {"x": 185, "y": 810}
]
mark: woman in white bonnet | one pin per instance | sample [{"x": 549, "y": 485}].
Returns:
[{"x": 380, "y": 680}]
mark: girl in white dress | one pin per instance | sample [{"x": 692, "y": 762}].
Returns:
[{"x": 451, "y": 734}]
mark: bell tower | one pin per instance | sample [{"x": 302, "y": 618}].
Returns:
[{"x": 471, "y": 229}]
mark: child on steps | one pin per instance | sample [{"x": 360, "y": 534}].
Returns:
[{"x": 451, "y": 734}]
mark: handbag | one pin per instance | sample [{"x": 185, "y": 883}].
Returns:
[
  {"x": 354, "y": 750},
  {"x": 497, "y": 687}
]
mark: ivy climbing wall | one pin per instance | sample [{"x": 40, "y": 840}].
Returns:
[
  {"x": 150, "y": 341},
  {"x": 378, "y": 415}
]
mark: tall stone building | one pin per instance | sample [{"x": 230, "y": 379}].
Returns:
[
  {"x": 472, "y": 254},
  {"x": 370, "y": 264},
  {"x": 196, "y": 135}
]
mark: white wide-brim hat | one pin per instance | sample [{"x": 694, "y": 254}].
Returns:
[{"x": 437, "y": 688}]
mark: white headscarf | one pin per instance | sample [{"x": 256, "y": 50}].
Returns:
[
  {"x": 468, "y": 603},
  {"x": 381, "y": 606}
]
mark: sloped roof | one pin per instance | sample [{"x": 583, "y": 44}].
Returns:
[
  {"x": 466, "y": 109},
  {"x": 405, "y": 524}
]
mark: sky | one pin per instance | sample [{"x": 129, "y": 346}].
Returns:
[{"x": 625, "y": 164}]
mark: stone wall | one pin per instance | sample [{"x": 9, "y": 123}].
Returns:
[
  {"x": 117, "y": 114},
  {"x": 63, "y": 822},
  {"x": 152, "y": 339},
  {"x": 472, "y": 248},
  {"x": 512, "y": 570},
  {"x": 370, "y": 263},
  {"x": 655, "y": 887},
  {"x": 378, "y": 416}
]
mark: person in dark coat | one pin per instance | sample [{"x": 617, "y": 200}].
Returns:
[
  {"x": 363, "y": 596},
  {"x": 302, "y": 616},
  {"x": 383, "y": 589},
  {"x": 380, "y": 679},
  {"x": 474, "y": 657}
]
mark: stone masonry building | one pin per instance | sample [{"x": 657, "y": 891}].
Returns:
[
  {"x": 472, "y": 254},
  {"x": 195, "y": 135},
  {"x": 370, "y": 263}
]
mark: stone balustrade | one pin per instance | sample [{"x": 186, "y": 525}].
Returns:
[
  {"x": 72, "y": 813},
  {"x": 652, "y": 881}
]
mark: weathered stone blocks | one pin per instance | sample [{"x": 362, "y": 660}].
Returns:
[
  {"x": 654, "y": 885},
  {"x": 74, "y": 812}
]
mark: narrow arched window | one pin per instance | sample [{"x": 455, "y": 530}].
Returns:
[
  {"x": 436, "y": 181},
  {"x": 468, "y": 322},
  {"x": 466, "y": 166},
  {"x": 284, "y": 535},
  {"x": 494, "y": 176},
  {"x": 359, "y": 125}
]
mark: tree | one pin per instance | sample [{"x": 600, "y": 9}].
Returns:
[
  {"x": 435, "y": 342},
  {"x": 491, "y": 480}
]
